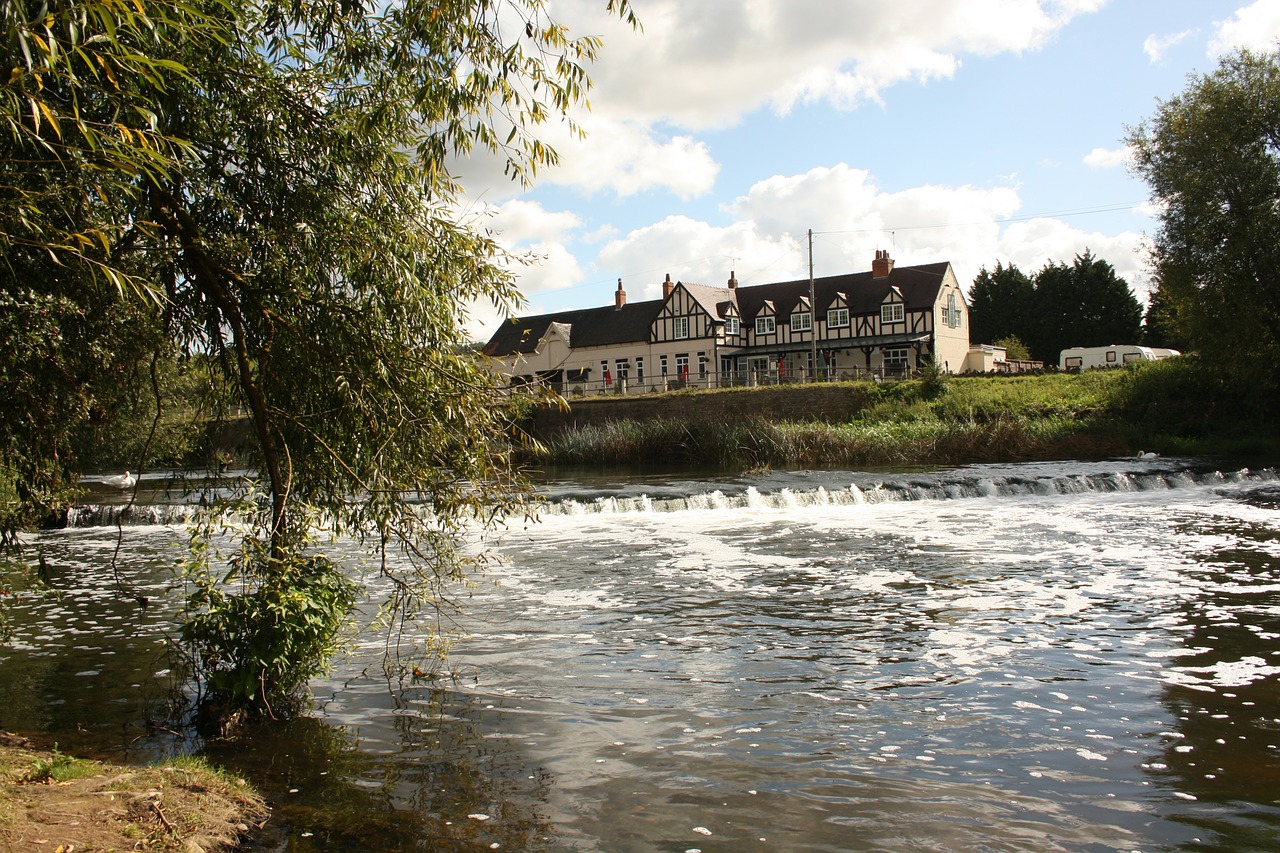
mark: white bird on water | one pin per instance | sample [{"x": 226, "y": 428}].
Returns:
[
  {"x": 1148, "y": 455},
  {"x": 123, "y": 481}
]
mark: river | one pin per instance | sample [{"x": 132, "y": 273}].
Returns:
[{"x": 1076, "y": 656}]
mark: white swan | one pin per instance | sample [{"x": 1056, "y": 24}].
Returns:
[
  {"x": 1147, "y": 455},
  {"x": 123, "y": 481}
]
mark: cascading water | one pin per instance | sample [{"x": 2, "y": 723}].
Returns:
[{"x": 1050, "y": 657}]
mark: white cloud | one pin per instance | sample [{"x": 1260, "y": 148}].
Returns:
[
  {"x": 695, "y": 251},
  {"x": 766, "y": 239},
  {"x": 707, "y": 64},
  {"x": 1256, "y": 26},
  {"x": 629, "y": 158},
  {"x": 1109, "y": 158},
  {"x": 727, "y": 58},
  {"x": 1155, "y": 46},
  {"x": 520, "y": 222}
]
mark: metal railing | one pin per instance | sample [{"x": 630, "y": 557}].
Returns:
[{"x": 627, "y": 386}]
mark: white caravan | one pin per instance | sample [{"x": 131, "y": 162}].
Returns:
[{"x": 1084, "y": 358}]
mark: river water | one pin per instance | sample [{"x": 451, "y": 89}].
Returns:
[{"x": 1048, "y": 657}]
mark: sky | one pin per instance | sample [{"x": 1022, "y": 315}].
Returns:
[{"x": 971, "y": 131}]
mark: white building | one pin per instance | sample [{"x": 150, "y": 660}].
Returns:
[{"x": 884, "y": 322}]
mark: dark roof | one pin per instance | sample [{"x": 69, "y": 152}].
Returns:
[
  {"x": 593, "y": 327},
  {"x": 919, "y": 286},
  {"x": 589, "y": 327}
]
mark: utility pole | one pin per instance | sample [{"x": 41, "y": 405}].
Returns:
[{"x": 813, "y": 319}]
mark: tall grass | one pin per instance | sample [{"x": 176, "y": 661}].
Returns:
[{"x": 1169, "y": 407}]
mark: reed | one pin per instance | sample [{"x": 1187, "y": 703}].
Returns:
[{"x": 1170, "y": 407}]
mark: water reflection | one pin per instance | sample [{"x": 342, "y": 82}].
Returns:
[
  {"x": 432, "y": 780},
  {"x": 1223, "y": 696}
]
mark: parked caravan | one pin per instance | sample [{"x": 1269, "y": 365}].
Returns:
[{"x": 1116, "y": 355}]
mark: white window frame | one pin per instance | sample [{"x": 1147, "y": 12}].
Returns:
[
  {"x": 640, "y": 368},
  {"x": 680, "y": 328},
  {"x": 893, "y": 312},
  {"x": 731, "y": 325},
  {"x": 766, "y": 325},
  {"x": 623, "y": 367},
  {"x": 897, "y": 357},
  {"x": 805, "y": 323},
  {"x": 837, "y": 318}
]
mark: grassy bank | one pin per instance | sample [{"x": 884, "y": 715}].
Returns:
[
  {"x": 1169, "y": 407},
  {"x": 50, "y": 801}
]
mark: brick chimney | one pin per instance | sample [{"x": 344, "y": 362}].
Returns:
[
  {"x": 882, "y": 265},
  {"x": 619, "y": 298},
  {"x": 733, "y": 280},
  {"x": 668, "y": 286}
]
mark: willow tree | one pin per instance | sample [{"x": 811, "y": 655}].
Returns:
[
  {"x": 1211, "y": 156},
  {"x": 277, "y": 198}
]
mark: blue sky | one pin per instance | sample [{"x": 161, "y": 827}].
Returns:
[{"x": 971, "y": 131}]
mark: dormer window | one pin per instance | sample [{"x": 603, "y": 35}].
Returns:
[
  {"x": 764, "y": 325},
  {"x": 837, "y": 318},
  {"x": 801, "y": 321},
  {"x": 893, "y": 312},
  {"x": 731, "y": 325}
]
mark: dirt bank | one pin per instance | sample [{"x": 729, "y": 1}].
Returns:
[{"x": 59, "y": 804}]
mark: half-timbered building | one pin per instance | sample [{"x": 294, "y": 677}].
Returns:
[{"x": 883, "y": 322}]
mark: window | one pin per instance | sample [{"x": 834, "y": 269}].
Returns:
[
  {"x": 837, "y": 317},
  {"x": 764, "y": 325},
  {"x": 892, "y": 313},
  {"x": 639, "y": 368},
  {"x": 731, "y": 325},
  {"x": 681, "y": 328},
  {"x": 951, "y": 314},
  {"x": 622, "y": 369},
  {"x": 1111, "y": 357},
  {"x": 604, "y": 372},
  {"x": 702, "y": 365},
  {"x": 682, "y": 366},
  {"x": 801, "y": 321},
  {"x": 896, "y": 360},
  {"x": 662, "y": 364}
]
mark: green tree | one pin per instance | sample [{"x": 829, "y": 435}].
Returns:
[
  {"x": 1082, "y": 305},
  {"x": 1160, "y": 324},
  {"x": 1212, "y": 159},
  {"x": 277, "y": 198},
  {"x": 1014, "y": 348},
  {"x": 1000, "y": 304}
]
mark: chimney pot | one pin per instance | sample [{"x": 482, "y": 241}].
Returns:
[
  {"x": 619, "y": 298},
  {"x": 882, "y": 265},
  {"x": 733, "y": 280}
]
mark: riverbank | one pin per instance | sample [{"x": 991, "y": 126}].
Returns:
[
  {"x": 1168, "y": 408},
  {"x": 54, "y": 802}
]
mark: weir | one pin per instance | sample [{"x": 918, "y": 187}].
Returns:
[
  {"x": 907, "y": 488},
  {"x": 950, "y": 485}
]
